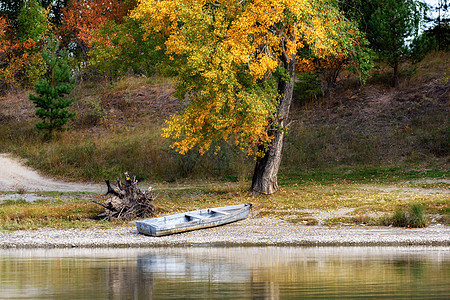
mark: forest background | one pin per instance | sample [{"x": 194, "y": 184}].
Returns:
[{"x": 346, "y": 117}]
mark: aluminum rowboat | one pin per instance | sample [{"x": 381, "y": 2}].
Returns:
[{"x": 193, "y": 220}]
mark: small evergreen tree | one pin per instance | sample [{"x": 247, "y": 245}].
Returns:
[
  {"x": 52, "y": 90},
  {"x": 389, "y": 25}
]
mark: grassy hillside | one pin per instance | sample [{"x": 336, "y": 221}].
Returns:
[
  {"x": 377, "y": 125},
  {"x": 372, "y": 129}
]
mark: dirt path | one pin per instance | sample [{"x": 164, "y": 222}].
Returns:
[{"x": 16, "y": 177}]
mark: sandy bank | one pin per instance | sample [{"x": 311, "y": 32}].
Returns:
[{"x": 265, "y": 231}]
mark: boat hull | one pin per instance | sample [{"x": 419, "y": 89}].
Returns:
[{"x": 193, "y": 220}]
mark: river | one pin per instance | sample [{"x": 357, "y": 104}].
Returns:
[{"x": 226, "y": 273}]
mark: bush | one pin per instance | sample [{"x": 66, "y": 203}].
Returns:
[
  {"x": 122, "y": 48},
  {"x": 307, "y": 88},
  {"x": 399, "y": 219},
  {"x": 415, "y": 217}
]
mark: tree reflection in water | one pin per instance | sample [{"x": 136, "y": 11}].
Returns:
[{"x": 221, "y": 273}]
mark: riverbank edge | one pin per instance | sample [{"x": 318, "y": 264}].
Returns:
[
  {"x": 232, "y": 244},
  {"x": 254, "y": 232}
]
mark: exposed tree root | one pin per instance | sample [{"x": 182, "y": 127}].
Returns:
[{"x": 126, "y": 201}]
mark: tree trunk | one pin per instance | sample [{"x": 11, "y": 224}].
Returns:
[
  {"x": 265, "y": 174},
  {"x": 396, "y": 74}
]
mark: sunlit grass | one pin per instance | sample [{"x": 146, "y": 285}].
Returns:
[
  {"x": 367, "y": 202},
  {"x": 77, "y": 213},
  {"x": 364, "y": 199}
]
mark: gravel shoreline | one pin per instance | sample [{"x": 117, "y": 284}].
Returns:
[{"x": 265, "y": 231}]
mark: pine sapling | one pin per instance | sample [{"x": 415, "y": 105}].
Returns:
[{"x": 51, "y": 91}]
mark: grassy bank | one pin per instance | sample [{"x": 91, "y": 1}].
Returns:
[
  {"x": 311, "y": 202},
  {"x": 76, "y": 213}
]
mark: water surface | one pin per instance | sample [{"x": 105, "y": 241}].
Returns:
[{"x": 226, "y": 273}]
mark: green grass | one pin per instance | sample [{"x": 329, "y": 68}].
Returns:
[
  {"x": 363, "y": 174},
  {"x": 141, "y": 150}
]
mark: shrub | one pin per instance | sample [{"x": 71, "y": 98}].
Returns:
[
  {"x": 307, "y": 88},
  {"x": 415, "y": 217},
  {"x": 400, "y": 218},
  {"x": 32, "y": 21}
]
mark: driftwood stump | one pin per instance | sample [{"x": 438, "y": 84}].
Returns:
[{"x": 126, "y": 201}]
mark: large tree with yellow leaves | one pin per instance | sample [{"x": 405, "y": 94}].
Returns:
[{"x": 236, "y": 63}]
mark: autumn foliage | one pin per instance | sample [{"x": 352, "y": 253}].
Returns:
[
  {"x": 229, "y": 55},
  {"x": 20, "y": 62},
  {"x": 100, "y": 31},
  {"x": 350, "y": 53},
  {"x": 233, "y": 61},
  {"x": 236, "y": 64},
  {"x": 22, "y": 39},
  {"x": 82, "y": 17}
]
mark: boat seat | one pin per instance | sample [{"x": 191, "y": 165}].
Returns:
[
  {"x": 196, "y": 216},
  {"x": 219, "y": 211}
]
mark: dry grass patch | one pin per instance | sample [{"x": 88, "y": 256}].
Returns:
[
  {"x": 306, "y": 203},
  {"x": 20, "y": 214}
]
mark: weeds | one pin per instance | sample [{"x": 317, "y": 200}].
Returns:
[
  {"x": 417, "y": 216},
  {"x": 414, "y": 218},
  {"x": 399, "y": 219},
  {"x": 98, "y": 157}
]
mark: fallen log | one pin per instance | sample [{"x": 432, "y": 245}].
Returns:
[{"x": 126, "y": 201}]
